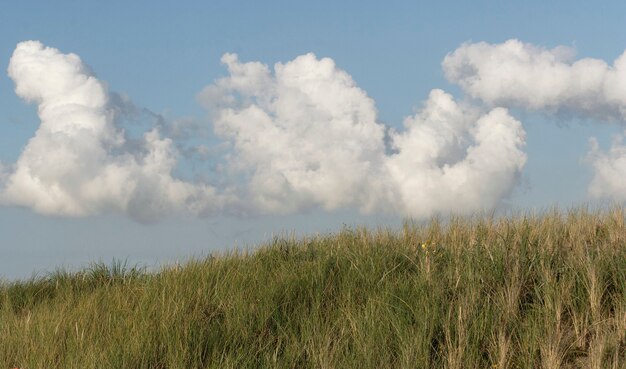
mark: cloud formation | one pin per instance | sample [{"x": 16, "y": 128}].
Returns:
[
  {"x": 451, "y": 158},
  {"x": 307, "y": 136},
  {"x": 300, "y": 136},
  {"x": 517, "y": 74},
  {"x": 303, "y": 135},
  {"x": 79, "y": 162},
  {"x": 609, "y": 170}
]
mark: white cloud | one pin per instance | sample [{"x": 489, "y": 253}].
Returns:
[
  {"x": 79, "y": 163},
  {"x": 453, "y": 159},
  {"x": 307, "y": 136},
  {"x": 609, "y": 170},
  {"x": 516, "y": 74},
  {"x": 523, "y": 75},
  {"x": 301, "y": 136}
]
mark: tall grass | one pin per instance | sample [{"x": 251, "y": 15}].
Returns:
[{"x": 522, "y": 292}]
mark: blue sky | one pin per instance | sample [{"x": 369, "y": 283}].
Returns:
[{"x": 162, "y": 55}]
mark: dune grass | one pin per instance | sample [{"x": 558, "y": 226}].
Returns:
[{"x": 521, "y": 292}]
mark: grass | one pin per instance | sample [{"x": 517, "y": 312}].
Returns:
[{"x": 522, "y": 292}]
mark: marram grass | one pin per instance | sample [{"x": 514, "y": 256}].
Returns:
[{"x": 523, "y": 292}]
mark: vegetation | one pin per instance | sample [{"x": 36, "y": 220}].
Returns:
[{"x": 522, "y": 292}]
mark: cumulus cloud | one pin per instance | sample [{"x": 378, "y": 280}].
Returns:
[
  {"x": 609, "y": 170},
  {"x": 517, "y": 74},
  {"x": 523, "y": 75},
  {"x": 451, "y": 158},
  {"x": 79, "y": 162},
  {"x": 299, "y": 136},
  {"x": 306, "y": 135}
]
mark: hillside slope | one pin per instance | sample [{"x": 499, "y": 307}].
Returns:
[{"x": 523, "y": 292}]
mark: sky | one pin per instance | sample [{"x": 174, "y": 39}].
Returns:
[{"x": 153, "y": 132}]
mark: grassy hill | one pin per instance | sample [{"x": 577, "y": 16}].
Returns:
[{"x": 524, "y": 292}]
